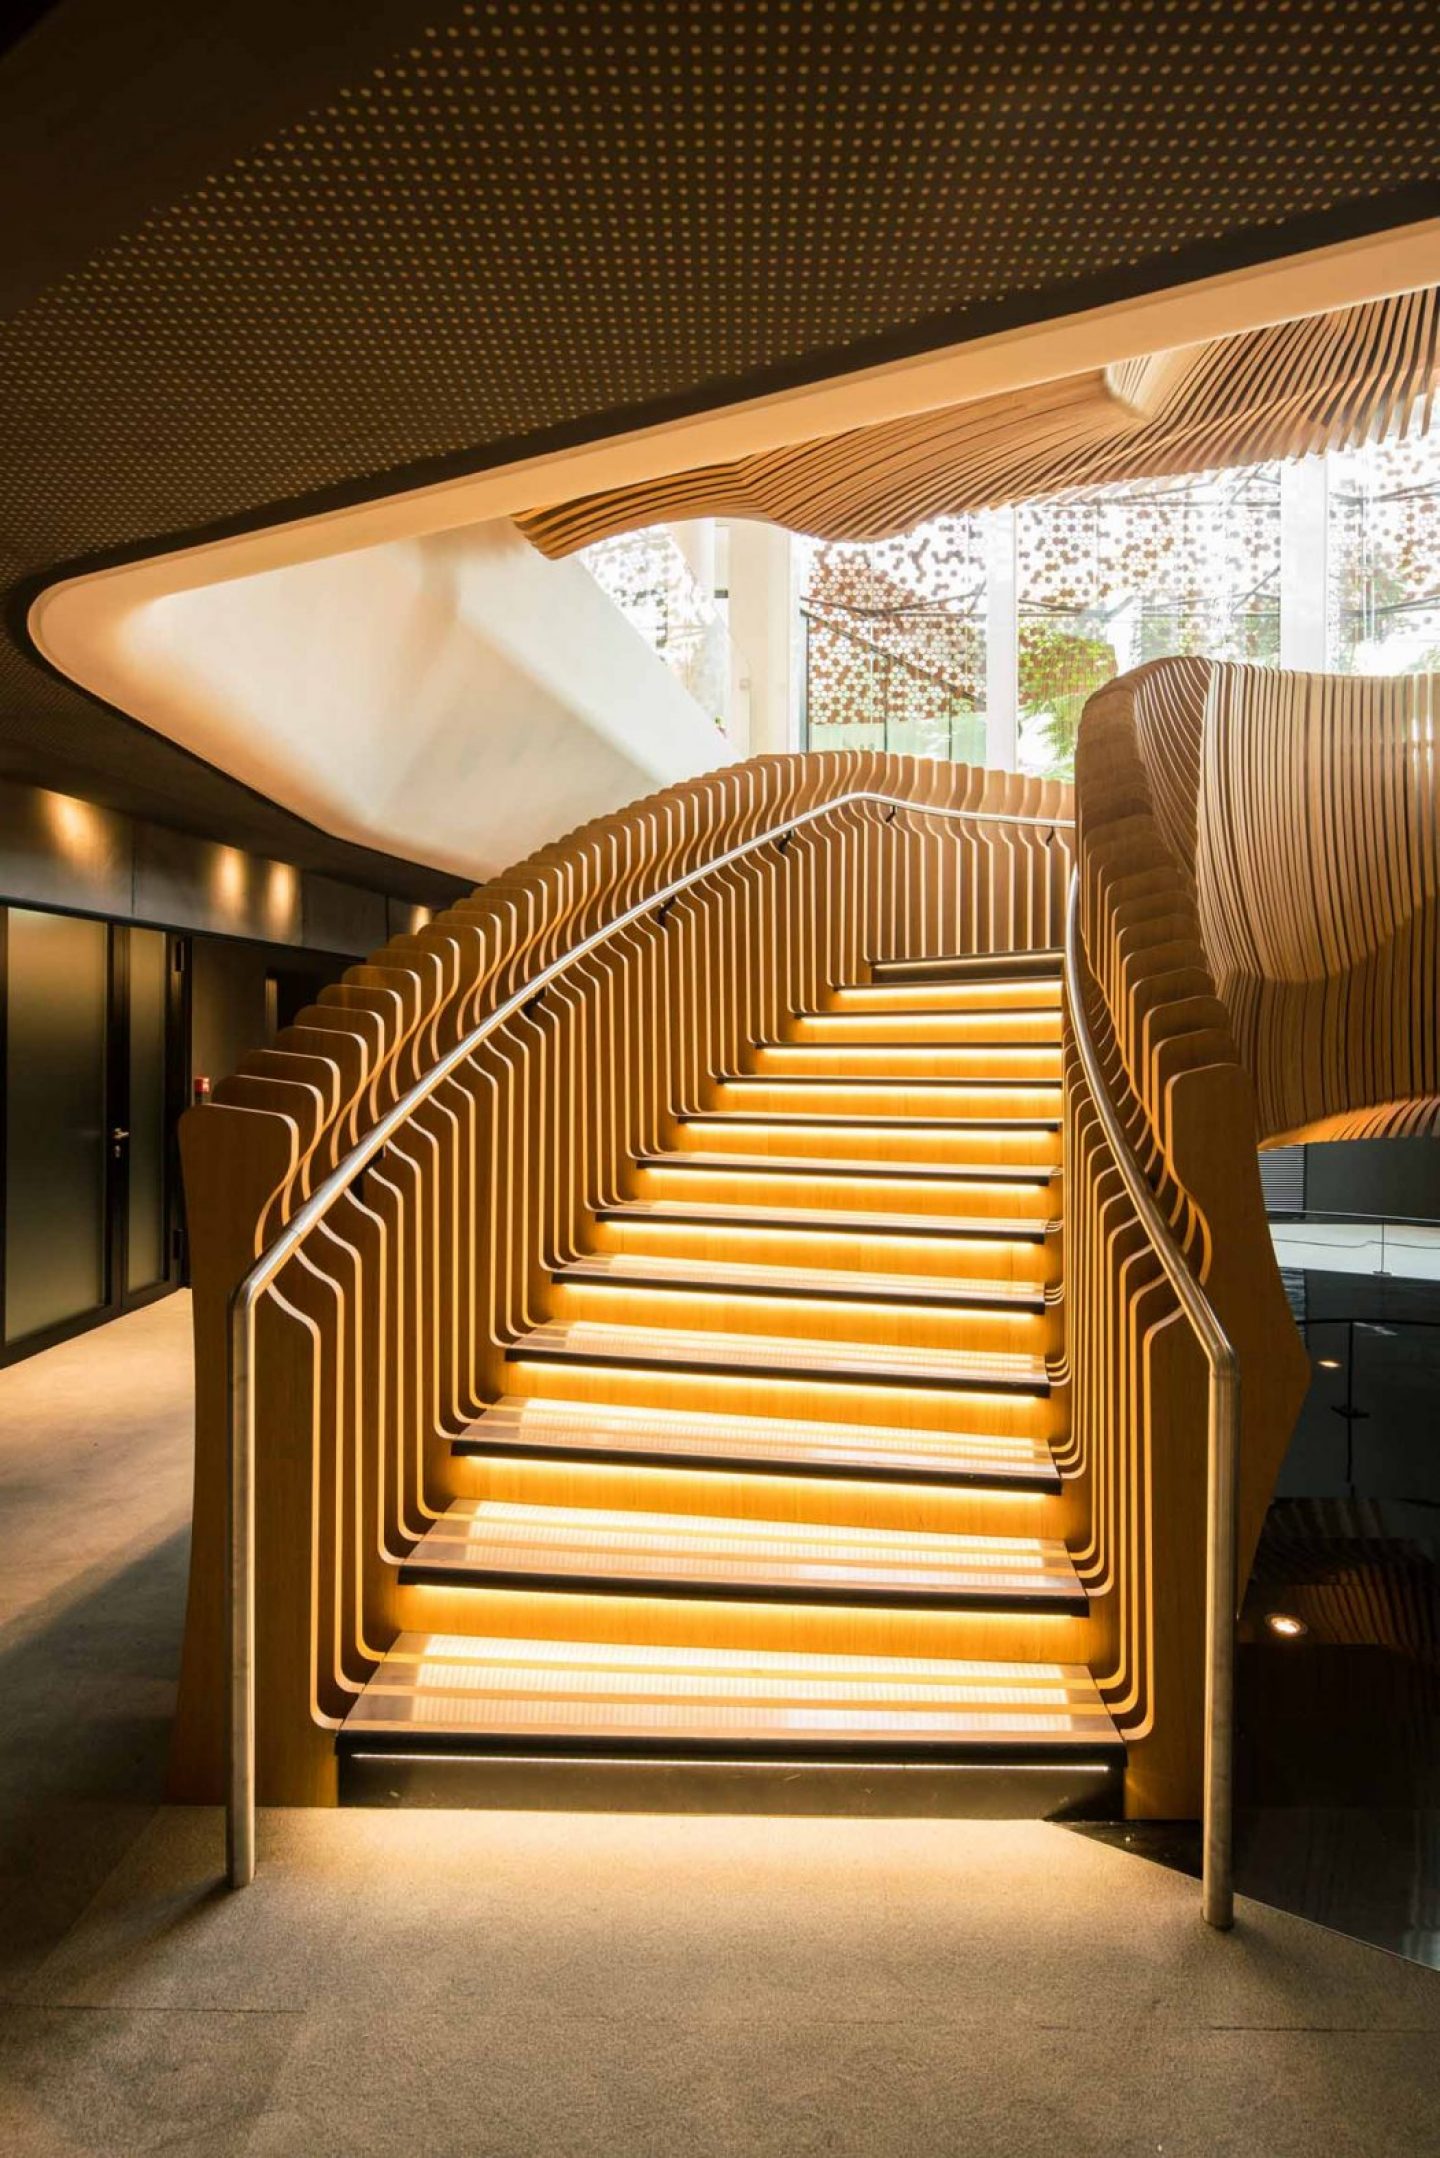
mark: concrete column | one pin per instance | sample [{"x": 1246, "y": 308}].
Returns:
[
  {"x": 764, "y": 623},
  {"x": 695, "y": 537},
  {"x": 1304, "y": 563},
  {"x": 1002, "y": 642}
]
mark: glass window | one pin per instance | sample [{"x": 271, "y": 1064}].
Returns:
[
  {"x": 895, "y": 643},
  {"x": 1384, "y": 558},
  {"x": 1108, "y": 579}
]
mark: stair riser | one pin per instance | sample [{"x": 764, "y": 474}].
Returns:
[
  {"x": 993, "y": 997},
  {"x": 904, "y": 1060},
  {"x": 920, "y": 1409},
  {"x": 978, "y": 969},
  {"x": 974, "y": 1792},
  {"x": 925, "y": 1029},
  {"x": 958, "y": 1509},
  {"x": 811, "y": 1629},
  {"x": 955, "y": 1148},
  {"x": 1005, "y": 1199},
  {"x": 929, "y": 1258},
  {"x": 794, "y": 1097},
  {"x": 897, "y": 1324}
]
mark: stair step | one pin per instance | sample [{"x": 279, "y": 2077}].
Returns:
[
  {"x": 819, "y": 1220},
  {"x": 813, "y": 1165},
  {"x": 632, "y": 1270},
  {"x": 1026, "y": 996},
  {"x": 927, "y": 1029},
  {"x": 544, "y": 1430},
  {"x": 614, "y": 1551},
  {"x": 930, "y": 1044},
  {"x": 879, "y": 1080},
  {"x": 597, "y": 1697},
  {"x": 803, "y": 1120},
  {"x": 972, "y": 967},
  {"x": 831, "y": 1363}
]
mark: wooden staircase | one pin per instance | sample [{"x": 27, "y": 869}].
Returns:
[{"x": 773, "y": 1482}]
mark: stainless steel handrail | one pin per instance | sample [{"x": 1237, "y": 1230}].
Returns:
[
  {"x": 240, "y": 1433},
  {"x": 1222, "y": 1455}
]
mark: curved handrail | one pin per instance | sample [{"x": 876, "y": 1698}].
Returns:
[
  {"x": 245, "y": 1297},
  {"x": 1222, "y": 1452}
]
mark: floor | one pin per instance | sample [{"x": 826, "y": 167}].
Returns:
[
  {"x": 1405, "y": 1249},
  {"x": 508, "y": 1984}
]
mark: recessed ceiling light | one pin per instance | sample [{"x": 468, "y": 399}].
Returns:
[{"x": 1289, "y": 1629}]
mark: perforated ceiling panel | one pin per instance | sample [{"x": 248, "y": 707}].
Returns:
[{"x": 526, "y": 222}]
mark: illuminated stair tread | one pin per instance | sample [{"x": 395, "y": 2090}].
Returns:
[
  {"x": 1040, "y": 964},
  {"x": 641, "y": 1270},
  {"x": 865, "y": 1045},
  {"x": 803, "y": 1120},
  {"x": 791, "y": 1446},
  {"x": 827, "y": 1166},
  {"x": 733, "y": 1213},
  {"x": 583, "y": 1695},
  {"x": 992, "y": 998},
  {"x": 878, "y": 1080},
  {"x": 615, "y": 1550},
  {"x": 931, "y": 1029},
  {"x": 839, "y": 1363}
]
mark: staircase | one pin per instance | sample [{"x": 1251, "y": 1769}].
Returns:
[{"x": 772, "y": 1489}]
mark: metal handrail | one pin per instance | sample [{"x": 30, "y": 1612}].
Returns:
[
  {"x": 245, "y": 1297},
  {"x": 1222, "y": 1455}
]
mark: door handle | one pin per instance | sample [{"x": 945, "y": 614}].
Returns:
[{"x": 119, "y": 1133}]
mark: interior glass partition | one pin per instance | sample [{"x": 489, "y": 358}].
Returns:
[
  {"x": 1383, "y": 558},
  {"x": 57, "y": 1018},
  {"x": 895, "y": 643},
  {"x": 1110, "y": 578},
  {"x": 93, "y": 1080}
]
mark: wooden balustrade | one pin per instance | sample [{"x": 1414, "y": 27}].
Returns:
[
  {"x": 385, "y": 1334},
  {"x": 1258, "y": 863}
]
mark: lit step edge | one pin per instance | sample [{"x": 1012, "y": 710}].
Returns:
[
  {"x": 430, "y": 1687},
  {"x": 700, "y": 1277},
  {"x": 894, "y": 1172},
  {"x": 602, "y": 1551},
  {"x": 536, "y": 1429},
  {"x": 743, "y": 1214},
  {"x": 1044, "y": 963},
  {"x": 806, "y": 1120},
  {"x": 780, "y": 1356}
]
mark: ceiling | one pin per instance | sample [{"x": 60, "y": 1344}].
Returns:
[
  {"x": 1324, "y": 382},
  {"x": 277, "y": 258}
]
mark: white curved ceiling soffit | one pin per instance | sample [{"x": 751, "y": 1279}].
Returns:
[{"x": 162, "y": 638}]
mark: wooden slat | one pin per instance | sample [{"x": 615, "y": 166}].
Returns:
[{"x": 1288, "y": 390}]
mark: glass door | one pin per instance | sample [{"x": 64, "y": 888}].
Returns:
[{"x": 91, "y": 1034}]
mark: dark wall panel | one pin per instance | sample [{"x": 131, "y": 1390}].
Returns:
[
  {"x": 1393, "y": 1177},
  {"x": 57, "y": 851},
  {"x": 342, "y": 917},
  {"x": 228, "y": 1014}
]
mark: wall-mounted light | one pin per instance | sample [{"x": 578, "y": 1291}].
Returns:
[
  {"x": 1328, "y": 1363},
  {"x": 1286, "y": 1625},
  {"x": 76, "y": 828}
]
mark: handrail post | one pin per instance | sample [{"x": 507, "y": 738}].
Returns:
[{"x": 240, "y": 1593}]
